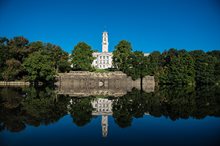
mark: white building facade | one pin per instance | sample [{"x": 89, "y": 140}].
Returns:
[
  {"x": 103, "y": 59},
  {"x": 103, "y": 107}
]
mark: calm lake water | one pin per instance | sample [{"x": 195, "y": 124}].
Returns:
[{"x": 167, "y": 116}]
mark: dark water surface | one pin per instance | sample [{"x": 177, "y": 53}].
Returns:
[{"x": 167, "y": 116}]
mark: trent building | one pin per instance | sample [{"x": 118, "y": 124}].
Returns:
[{"x": 103, "y": 59}]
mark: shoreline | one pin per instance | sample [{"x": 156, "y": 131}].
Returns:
[{"x": 14, "y": 83}]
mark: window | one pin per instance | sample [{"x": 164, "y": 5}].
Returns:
[
  {"x": 107, "y": 62},
  {"x": 103, "y": 66},
  {"x": 100, "y": 62},
  {"x": 103, "y": 61},
  {"x": 107, "y": 57},
  {"x": 103, "y": 57},
  {"x": 100, "y": 57}
]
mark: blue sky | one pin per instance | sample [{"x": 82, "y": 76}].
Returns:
[{"x": 148, "y": 24}]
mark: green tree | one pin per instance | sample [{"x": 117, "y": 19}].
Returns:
[
  {"x": 216, "y": 54},
  {"x": 82, "y": 57},
  {"x": 35, "y": 46},
  {"x": 13, "y": 52},
  {"x": 204, "y": 67},
  {"x": 39, "y": 67},
  {"x": 18, "y": 47},
  {"x": 121, "y": 54},
  {"x": 178, "y": 67},
  {"x": 137, "y": 66},
  {"x": 59, "y": 57},
  {"x": 154, "y": 60},
  {"x": 13, "y": 70},
  {"x": 16, "y": 50},
  {"x": 3, "y": 54},
  {"x": 154, "y": 64}
]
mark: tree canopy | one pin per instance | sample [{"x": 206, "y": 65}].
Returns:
[
  {"x": 169, "y": 67},
  {"x": 39, "y": 67},
  {"x": 121, "y": 54},
  {"x": 82, "y": 57},
  {"x": 204, "y": 67},
  {"x": 178, "y": 67},
  {"x": 14, "y": 52},
  {"x": 137, "y": 65}
]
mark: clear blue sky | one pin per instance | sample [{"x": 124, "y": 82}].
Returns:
[{"x": 148, "y": 24}]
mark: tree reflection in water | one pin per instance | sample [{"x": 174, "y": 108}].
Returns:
[
  {"x": 42, "y": 106},
  {"x": 34, "y": 107},
  {"x": 81, "y": 110}
]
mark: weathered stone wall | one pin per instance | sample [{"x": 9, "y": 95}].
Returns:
[
  {"x": 14, "y": 83},
  {"x": 83, "y": 83}
]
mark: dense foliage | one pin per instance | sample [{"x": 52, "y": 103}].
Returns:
[
  {"x": 19, "y": 60},
  {"x": 39, "y": 67},
  {"x": 182, "y": 67},
  {"x": 169, "y": 67},
  {"x": 137, "y": 65},
  {"x": 81, "y": 110},
  {"x": 216, "y": 54},
  {"x": 121, "y": 54},
  {"x": 82, "y": 57},
  {"x": 204, "y": 67},
  {"x": 177, "y": 67}
]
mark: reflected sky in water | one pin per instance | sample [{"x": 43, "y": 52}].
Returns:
[{"x": 186, "y": 116}]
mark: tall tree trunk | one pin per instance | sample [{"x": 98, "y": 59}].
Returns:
[{"x": 141, "y": 77}]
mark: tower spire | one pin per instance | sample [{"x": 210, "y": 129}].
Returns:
[{"x": 105, "y": 41}]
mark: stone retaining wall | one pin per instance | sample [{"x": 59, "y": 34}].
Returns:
[
  {"x": 14, "y": 83},
  {"x": 83, "y": 83}
]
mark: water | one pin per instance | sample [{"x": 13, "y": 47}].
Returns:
[{"x": 167, "y": 116}]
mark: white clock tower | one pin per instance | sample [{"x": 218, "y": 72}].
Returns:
[
  {"x": 103, "y": 60},
  {"x": 105, "y": 41}
]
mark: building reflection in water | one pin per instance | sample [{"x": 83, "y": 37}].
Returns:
[
  {"x": 102, "y": 107},
  {"x": 112, "y": 84},
  {"x": 21, "y": 107}
]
